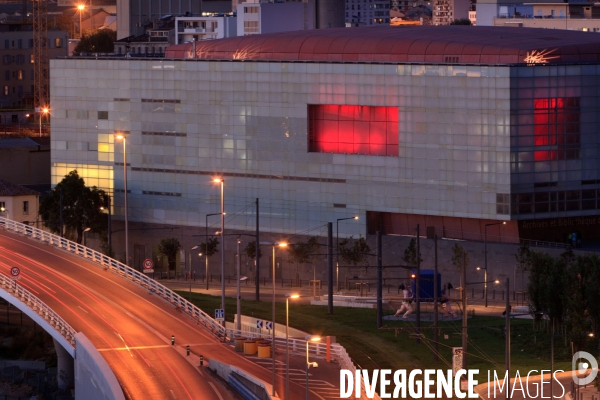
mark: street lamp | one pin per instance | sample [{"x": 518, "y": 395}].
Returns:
[
  {"x": 84, "y": 231},
  {"x": 308, "y": 363},
  {"x": 238, "y": 322},
  {"x": 80, "y": 7},
  {"x": 122, "y": 137},
  {"x": 109, "y": 222},
  {"x": 222, "y": 182},
  {"x": 4, "y": 210},
  {"x": 206, "y": 243},
  {"x": 44, "y": 110},
  {"x": 337, "y": 248},
  {"x": 485, "y": 257},
  {"x": 287, "y": 343},
  {"x": 190, "y": 258},
  {"x": 552, "y": 335},
  {"x": 282, "y": 244}
]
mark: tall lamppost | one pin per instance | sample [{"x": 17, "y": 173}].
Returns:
[
  {"x": 287, "y": 343},
  {"x": 274, "y": 245},
  {"x": 222, "y": 182},
  {"x": 190, "y": 258},
  {"x": 485, "y": 295},
  {"x": 206, "y": 243},
  {"x": 43, "y": 111},
  {"x": 337, "y": 248},
  {"x": 308, "y": 363},
  {"x": 238, "y": 321},
  {"x": 109, "y": 222},
  {"x": 122, "y": 137},
  {"x": 80, "y": 7},
  {"x": 84, "y": 232}
]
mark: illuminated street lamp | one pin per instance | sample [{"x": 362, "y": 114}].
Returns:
[
  {"x": 337, "y": 246},
  {"x": 4, "y": 210},
  {"x": 485, "y": 295},
  {"x": 84, "y": 232},
  {"x": 308, "y": 363},
  {"x": 43, "y": 111},
  {"x": 190, "y": 258},
  {"x": 206, "y": 243},
  {"x": 287, "y": 343},
  {"x": 80, "y": 7},
  {"x": 282, "y": 244},
  {"x": 122, "y": 137},
  {"x": 109, "y": 221},
  {"x": 222, "y": 182}
]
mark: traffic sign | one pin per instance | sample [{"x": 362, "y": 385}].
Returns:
[
  {"x": 259, "y": 323},
  {"x": 148, "y": 266},
  {"x": 220, "y": 314},
  {"x": 269, "y": 325},
  {"x": 15, "y": 272}
]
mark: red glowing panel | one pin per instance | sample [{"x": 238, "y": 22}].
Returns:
[
  {"x": 345, "y": 129},
  {"x": 553, "y": 118}
]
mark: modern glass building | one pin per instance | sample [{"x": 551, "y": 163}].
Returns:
[{"x": 454, "y": 127}]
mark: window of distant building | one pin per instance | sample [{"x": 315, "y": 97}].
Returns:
[
  {"x": 58, "y": 43},
  {"x": 345, "y": 129},
  {"x": 25, "y": 208}
]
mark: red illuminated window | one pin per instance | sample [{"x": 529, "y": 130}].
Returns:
[
  {"x": 353, "y": 129},
  {"x": 556, "y": 128}
]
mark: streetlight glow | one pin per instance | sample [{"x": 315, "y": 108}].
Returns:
[
  {"x": 356, "y": 217},
  {"x": 81, "y": 7},
  {"x": 120, "y": 137},
  {"x": 217, "y": 180},
  {"x": 283, "y": 244}
]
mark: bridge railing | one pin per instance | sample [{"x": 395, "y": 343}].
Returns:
[
  {"x": 39, "y": 307},
  {"x": 337, "y": 352},
  {"x": 119, "y": 268}
]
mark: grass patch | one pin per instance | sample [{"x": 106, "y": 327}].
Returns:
[{"x": 395, "y": 348}]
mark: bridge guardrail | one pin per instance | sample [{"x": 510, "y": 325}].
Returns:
[
  {"x": 337, "y": 351},
  {"x": 39, "y": 307},
  {"x": 121, "y": 269}
]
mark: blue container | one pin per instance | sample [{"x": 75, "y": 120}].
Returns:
[{"x": 426, "y": 285}]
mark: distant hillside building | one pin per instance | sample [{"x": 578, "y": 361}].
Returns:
[{"x": 18, "y": 202}]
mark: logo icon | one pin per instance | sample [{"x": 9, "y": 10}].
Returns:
[{"x": 582, "y": 367}]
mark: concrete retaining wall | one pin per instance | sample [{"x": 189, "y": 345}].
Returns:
[{"x": 94, "y": 380}]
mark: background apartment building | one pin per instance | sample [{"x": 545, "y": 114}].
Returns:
[{"x": 16, "y": 53}]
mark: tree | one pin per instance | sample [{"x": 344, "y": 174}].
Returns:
[
  {"x": 355, "y": 254},
  {"x": 250, "y": 250},
  {"x": 460, "y": 259},
  {"x": 209, "y": 248},
  {"x": 65, "y": 22},
  {"x": 523, "y": 262},
  {"x": 81, "y": 208},
  {"x": 462, "y": 21},
  {"x": 410, "y": 254},
  {"x": 101, "y": 41},
  {"x": 169, "y": 248},
  {"x": 303, "y": 253}
]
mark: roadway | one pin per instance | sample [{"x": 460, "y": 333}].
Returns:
[{"x": 129, "y": 326}]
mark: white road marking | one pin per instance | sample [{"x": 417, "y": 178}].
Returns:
[
  {"x": 173, "y": 394},
  {"x": 217, "y": 392},
  {"x": 83, "y": 309}
]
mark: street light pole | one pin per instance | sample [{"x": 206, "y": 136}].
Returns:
[
  {"x": 44, "y": 110},
  {"x": 126, "y": 208},
  {"x": 308, "y": 363},
  {"x": 238, "y": 322},
  {"x": 507, "y": 348},
  {"x": 222, "y": 182},
  {"x": 485, "y": 291},
  {"x": 337, "y": 248},
  {"x": 287, "y": 343},
  {"x": 190, "y": 269},
  {"x": 84, "y": 232},
  {"x": 206, "y": 244},
  {"x": 80, "y": 7},
  {"x": 273, "y": 327}
]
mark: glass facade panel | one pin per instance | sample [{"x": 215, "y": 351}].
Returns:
[{"x": 348, "y": 129}]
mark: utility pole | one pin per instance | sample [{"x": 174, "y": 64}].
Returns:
[
  {"x": 435, "y": 300},
  {"x": 257, "y": 256},
  {"x": 418, "y": 287},
  {"x": 464, "y": 305},
  {"x": 379, "y": 282},
  {"x": 507, "y": 349},
  {"x": 330, "y": 268},
  {"x": 60, "y": 211}
]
